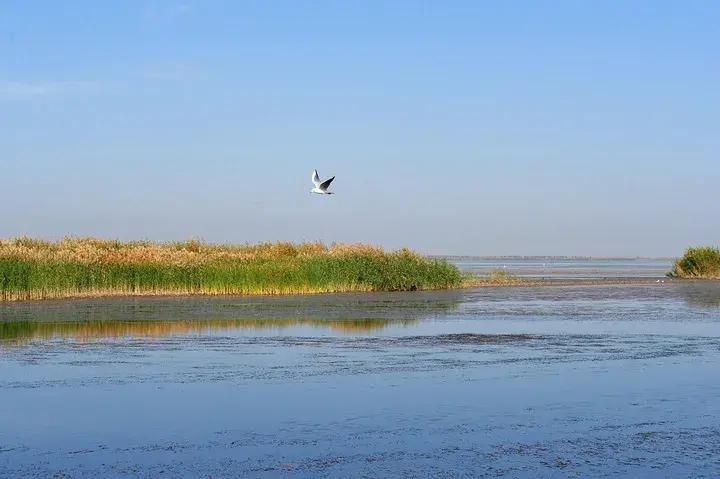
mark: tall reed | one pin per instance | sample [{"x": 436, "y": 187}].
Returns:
[
  {"x": 72, "y": 267},
  {"x": 699, "y": 262}
]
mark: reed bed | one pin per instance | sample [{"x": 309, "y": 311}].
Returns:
[
  {"x": 87, "y": 267},
  {"x": 700, "y": 262}
]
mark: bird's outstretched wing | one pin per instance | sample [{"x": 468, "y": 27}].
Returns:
[
  {"x": 316, "y": 178},
  {"x": 324, "y": 185}
]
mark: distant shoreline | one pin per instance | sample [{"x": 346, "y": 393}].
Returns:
[
  {"x": 531, "y": 282},
  {"x": 553, "y": 258}
]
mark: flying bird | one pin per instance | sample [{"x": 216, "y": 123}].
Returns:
[{"x": 321, "y": 186}]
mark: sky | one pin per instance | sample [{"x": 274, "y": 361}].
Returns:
[{"x": 454, "y": 127}]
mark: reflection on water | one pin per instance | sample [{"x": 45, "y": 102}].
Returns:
[
  {"x": 21, "y": 332},
  {"x": 350, "y": 306},
  {"x": 97, "y": 319},
  {"x": 562, "y": 381},
  {"x": 702, "y": 294}
]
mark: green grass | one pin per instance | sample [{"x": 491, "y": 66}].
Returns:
[
  {"x": 31, "y": 269},
  {"x": 700, "y": 262}
]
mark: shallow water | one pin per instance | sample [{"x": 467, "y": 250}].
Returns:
[
  {"x": 571, "y": 381},
  {"x": 567, "y": 268}
]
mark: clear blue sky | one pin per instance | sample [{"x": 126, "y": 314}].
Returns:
[{"x": 535, "y": 127}]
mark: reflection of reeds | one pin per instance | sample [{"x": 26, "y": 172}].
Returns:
[
  {"x": 35, "y": 269},
  {"x": 19, "y": 332}
]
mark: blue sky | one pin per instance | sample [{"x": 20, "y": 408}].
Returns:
[{"x": 588, "y": 128}]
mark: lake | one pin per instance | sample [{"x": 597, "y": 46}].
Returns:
[
  {"x": 557, "y": 381},
  {"x": 554, "y": 267}
]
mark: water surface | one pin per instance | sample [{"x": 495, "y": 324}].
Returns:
[
  {"x": 554, "y": 267},
  {"x": 571, "y": 381}
]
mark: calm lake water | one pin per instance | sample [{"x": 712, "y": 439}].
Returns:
[
  {"x": 557, "y": 382},
  {"x": 568, "y": 268}
]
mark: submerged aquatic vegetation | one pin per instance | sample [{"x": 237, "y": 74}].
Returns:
[
  {"x": 73, "y": 267},
  {"x": 699, "y": 262}
]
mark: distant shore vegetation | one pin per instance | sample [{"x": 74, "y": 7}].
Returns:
[
  {"x": 87, "y": 267},
  {"x": 699, "y": 262},
  {"x": 494, "y": 278}
]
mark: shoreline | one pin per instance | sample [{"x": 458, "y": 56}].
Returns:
[
  {"x": 469, "y": 285},
  {"x": 547, "y": 282}
]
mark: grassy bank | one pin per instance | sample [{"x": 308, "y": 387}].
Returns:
[
  {"x": 701, "y": 262},
  {"x": 34, "y": 269}
]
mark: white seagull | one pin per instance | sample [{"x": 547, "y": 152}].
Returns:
[{"x": 321, "y": 186}]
